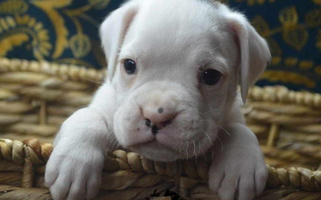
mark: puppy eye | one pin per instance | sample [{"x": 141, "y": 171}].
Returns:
[
  {"x": 210, "y": 76},
  {"x": 130, "y": 66}
]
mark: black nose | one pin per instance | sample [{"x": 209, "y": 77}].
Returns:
[
  {"x": 148, "y": 122},
  {"x": 158, "y": 116},
  {"x": 154, "y": 127},
  {"x": 154, "y": 130}
]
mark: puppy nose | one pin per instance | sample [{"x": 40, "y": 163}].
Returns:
[{"x": 157, "y": 117}]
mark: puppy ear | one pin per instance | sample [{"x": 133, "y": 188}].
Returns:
[
  {"x": 113, "y": 31},
  {"x": 254, "y": 51}
]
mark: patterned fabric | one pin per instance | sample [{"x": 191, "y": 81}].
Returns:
[
  {"x": 65, "y": 31},
  {"x": 62, "y": 31},
  {"x": 293, "y": 31}
]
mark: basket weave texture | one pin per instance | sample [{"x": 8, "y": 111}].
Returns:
[{"x": 36, "y": 97}]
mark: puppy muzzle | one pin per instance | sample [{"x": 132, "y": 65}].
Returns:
[{"x": 162, "y": 119}]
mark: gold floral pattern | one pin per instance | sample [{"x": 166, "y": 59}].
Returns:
[
  {"x": 55, "y": 30},
  {"x": 293, "y": 31},
  {"x": 80, "y": 45},
  {"x": 66, "y": 31},
  {"x": 50, "y": 7},
  {"x": 318, "y": 2},
  {"x": 19, "y": 29},
  {"x": 13, "y": 7},
  {"x": 289, "y": 77},
  {"x": 253, "y": 2},
  {"x": 99, "y": 4},
  {"x": 318, "y": 70}
]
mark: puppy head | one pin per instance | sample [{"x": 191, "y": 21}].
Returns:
[{"x": 174, "y": 65}]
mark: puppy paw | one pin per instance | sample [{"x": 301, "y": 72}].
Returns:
[
  {"x": 238, "y": 170},
  {"x": 74, "y": 172},
  {"x": 237, "y": 179}
]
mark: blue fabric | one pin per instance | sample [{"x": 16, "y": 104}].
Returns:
[
  {"x": 66, "y": 31},
  {"x": 293, "y": 31},
  {"x": 61, "y": 31}
]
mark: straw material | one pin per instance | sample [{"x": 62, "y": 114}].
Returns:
[
  {"x": 36, "y": 97},
  {"x": 127, "y": 175}
]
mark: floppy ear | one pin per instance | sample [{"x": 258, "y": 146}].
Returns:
[
  {"x": 254, "y": 51},
  {"x": 113, "y": 31}
]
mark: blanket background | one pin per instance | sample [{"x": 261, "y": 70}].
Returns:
[{"x": 65, "y": 31}]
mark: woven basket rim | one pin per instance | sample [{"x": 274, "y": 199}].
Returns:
[
  {"x": 37, "y": 154},
  {"x": 66, "y": 72}
]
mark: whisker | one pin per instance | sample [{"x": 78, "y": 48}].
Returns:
[
  {"x": 223, "y": 130},
  {"x": 204, "y": 113},
  {"x": 207, "y": 136},
  {"x": 111, "y": 144},
  {"x": 180, "y": 151},
  {"x": 115, "y": 144},
  {"x": 199, "y": 147},
  {"x": 212, "y": 154},
  {"x": 187, "y": 157},
  {"x": 205, "y": 120},
  {"x": 194, "y": 149},
  {"x": 219, "y": 139}
]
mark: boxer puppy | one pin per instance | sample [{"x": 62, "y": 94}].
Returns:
[{"x": 171, "y": 93}]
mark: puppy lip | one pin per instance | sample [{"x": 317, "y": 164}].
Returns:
[
  {"x": 151, "y": 138},
  {"x": 141, "y": 143},
  {"x": 154, "y": 143}
]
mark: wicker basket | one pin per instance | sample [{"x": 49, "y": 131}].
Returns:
[{"x": 36, "y": 97}]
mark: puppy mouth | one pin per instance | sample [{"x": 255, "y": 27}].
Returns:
[
  {"x": 163, "y": 147},
  {"x": 152, "y": 143},
  {"x": 154, "y": 150}
]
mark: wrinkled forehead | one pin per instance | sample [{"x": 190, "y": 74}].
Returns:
[{"x": 178, "y": 29}]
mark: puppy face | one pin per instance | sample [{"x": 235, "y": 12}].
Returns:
[{"x": 175, "y": 75}]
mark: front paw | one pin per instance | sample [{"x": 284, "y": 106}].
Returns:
[
  {"x": 238, "y": 170},
  {"x": 240, "y": 178},
  {"x": 74, "y": 173}
]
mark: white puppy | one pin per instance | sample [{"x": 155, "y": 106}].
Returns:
[{"x": 171, "y": 93}]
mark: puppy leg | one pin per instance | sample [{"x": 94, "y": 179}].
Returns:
[
  {"x": 74, "y": 168},
  {"x": 238, "y": 170}
]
